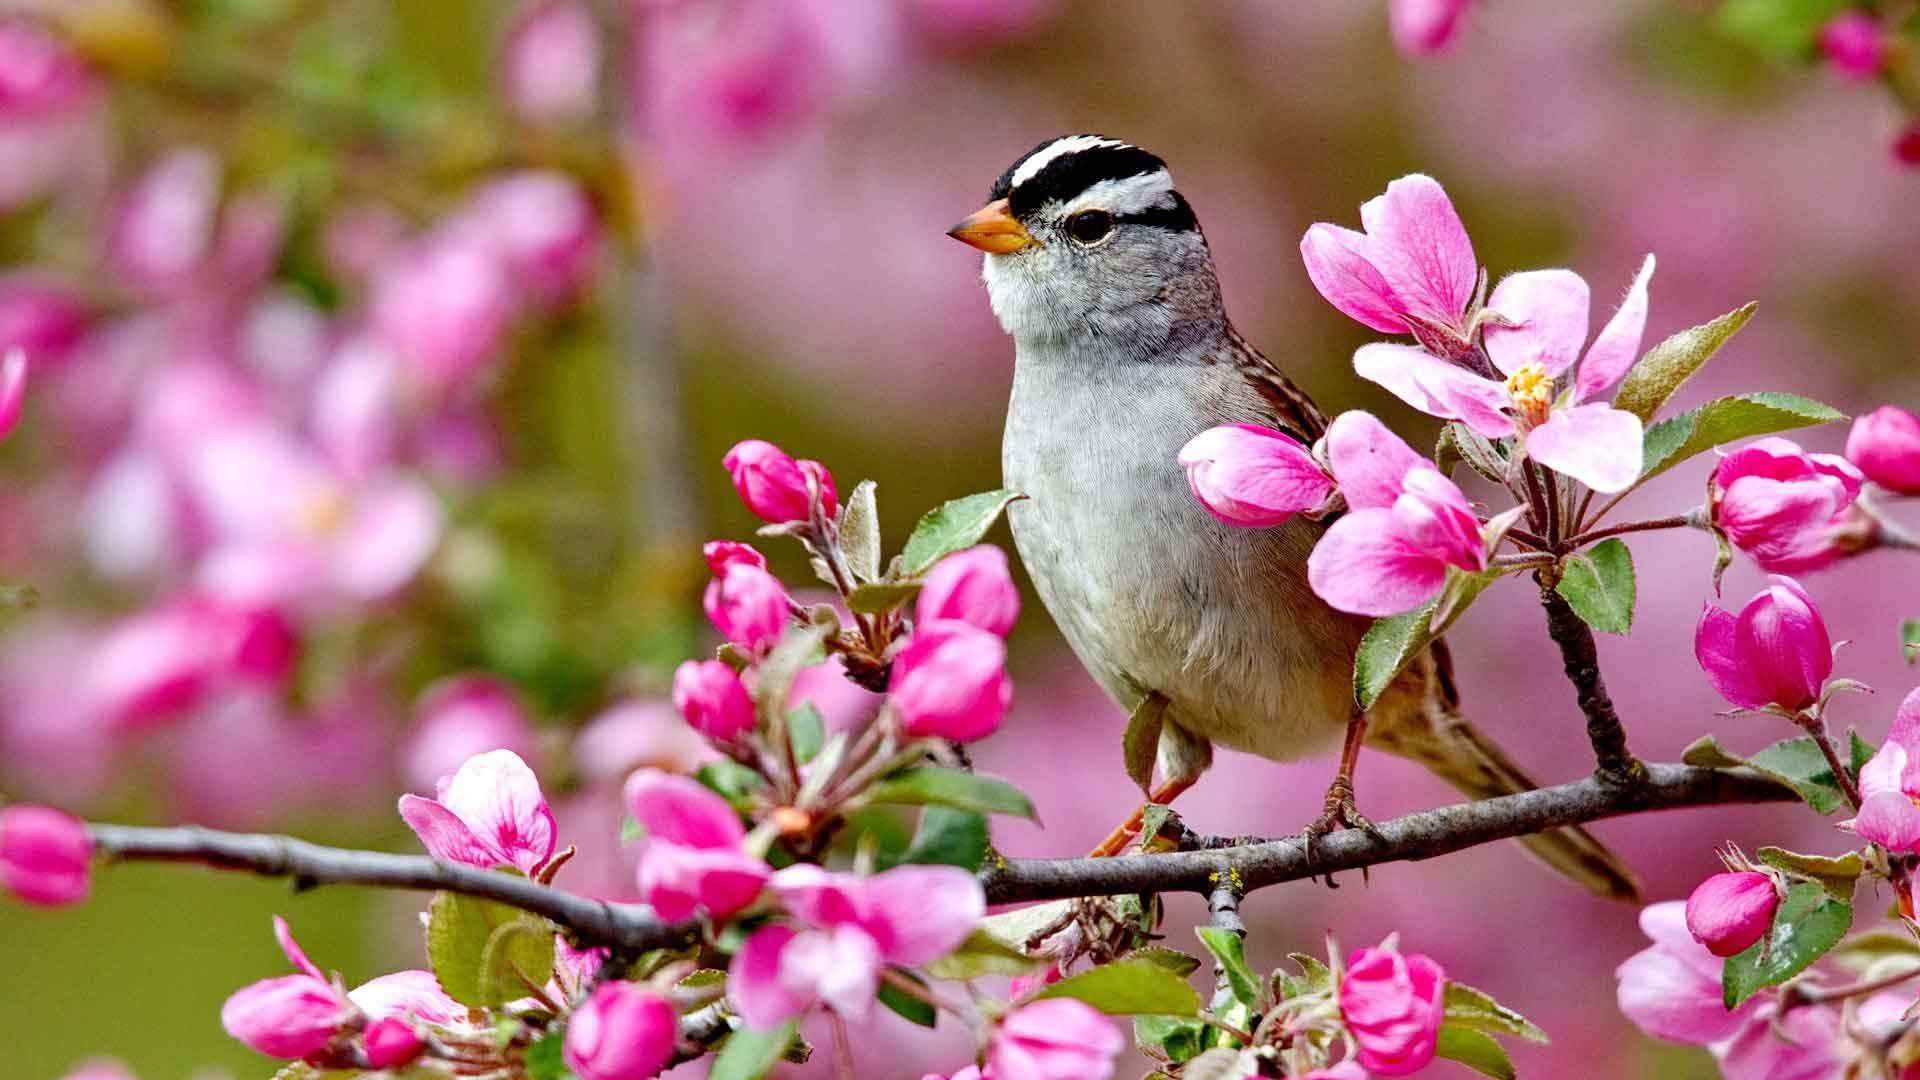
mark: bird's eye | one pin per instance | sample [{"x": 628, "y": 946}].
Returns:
[{"x": 1089, "y": 226}]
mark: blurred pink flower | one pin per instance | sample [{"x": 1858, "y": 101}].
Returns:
[
  {"x": 1407, "y": 525},
  {"x": 1346, "y": 1070},
  {"x": 391, "y": 1042},
  {"x": 50, "y": 125},
  {"x": 844, "y": 705},
  {"x": 1885, "y": 445},
  {"x": 542, "y": 227},
  {"x": 38, "y": 72},
  {"x": 460, "y": 444},
  {"x": 1671, "y": 989},
  {"x": 1854, "y": 44},
  {"x": 13, "y": 388},
  {"x": 774, "y": 486},
  {"x": 1775, "y": 652},
  {"x": 40, "y": 316},
  {"x": 950, "y": 681},
  {"x": 713, "y": 700},
  {"x": 974, "y": 586},
  {"x": 164, "y": 227},
  {"x": 1782, "y": 505},
  {"x": 442, "y": 304},
  {"x": 621, "y": 1032},
  {"x": 45, "y": 855},
  {"x": 355, "y": 409},
  {"x": 491, "y": 812},
  {"x": 1890, "y": 784},
  {"x": 292, "y": 1016},
  {"x": 1252, "y": 476},
  {"x": 359, "y": 237},
  {"x": 1803, "y": 1044},
  {"x": 1054, "y": 1039},
  {"x": 1906, "y": 145},
  {"x": 152, "y": 666},
  {"x": 748, "y": 606},
  {"x": 721, "y": 554},
  {"x": 1392, "y": 1005},
  {"x": 1728, "y": 912},
  {"x": 692, "y": 860},
  {"x": 100, "y": 1069},
  {"x": 1425, "y": 27},
  {"x": 1411, "y": 272},
  {"x": 462, "y": 716},
  {"x": 636, "y": 733},
  {"x": 550, "y": 63}
]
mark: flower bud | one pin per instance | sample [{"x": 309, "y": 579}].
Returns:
[
  {"x": 621, "y": 1032},
  {"x": 748, "y": 606},
  {"x": 973, "y": 586},
  {"x": 1885, "y": 444},
  {"x": 1054, "y": 1039},
  {"x": 1251, "y": 476},
  {"x": 1729, "y": 912},
  {"x": 1853, "y": 45},
  {"x": 713, "y": 700},
  {"x": 774, "y": 486},
  {"x": 39, "y": 316},
  {"x": 951, "y": 681},
  {"x": 721, "y": 554},
  {"x": 45, "y": 855},
  {"x": 1393, "y": 1006},
  {"x": 391, "y": 1043},
  {"x": 1775, "y": 652},
  {"x": 1782, "y": 505},
  {"x": 292, "y": 1016},
  {"x": 13, "y": 389}
]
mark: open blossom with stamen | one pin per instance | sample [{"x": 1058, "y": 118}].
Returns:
[
  {"x": 1592, "y": 442},
  {"x": 490, "y": 812},
  {"x": 1411, "y": 272}
]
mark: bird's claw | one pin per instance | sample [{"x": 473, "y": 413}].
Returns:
[{"x": 1339, "y": 813}]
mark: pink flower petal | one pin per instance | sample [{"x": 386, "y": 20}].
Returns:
[
  {"x": 394, "y": 528},
  {"x": 1436, "y": 387},
  {"x": 412, "y": 993},
  {"x": 1551, "y": 308},
  {"x": 682, "y": 810},
  {"x": 1247, "y": 475},
  {"x": 295, "y": 954},
  {"x": 1885, "y": 771},
  {"x": 841, "y": 965},
  {"x": 1889, "y": 819},
  {"x": 1613, "y": 353},
  {"x": 13, "y": 388},
  {"x": 1421, "y": 248},
  {"x": 444, "y": 835},
  {"x": 924, "y": 912},
  {"x": 1715, "y": 648},
  {"x": 499, "y": 798},
  {"x": 1338, "y": 266},
  {"x": 1363, "y": 567},
  {"x": 1596, "y": 444},
  {"x": 1369, "y": 461},
  {"x": 1906, "y": 732},
  {"x": 1424, "y": 28},
  {"x": 754, "y": 985}
]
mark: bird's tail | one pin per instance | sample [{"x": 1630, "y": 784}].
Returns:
[{"x": 1432, "y": 732}]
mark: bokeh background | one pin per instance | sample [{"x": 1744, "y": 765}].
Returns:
[{"x": 377, "y": 343}]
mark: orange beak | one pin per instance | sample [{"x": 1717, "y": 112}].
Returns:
[{"x": 992, "y": 229}]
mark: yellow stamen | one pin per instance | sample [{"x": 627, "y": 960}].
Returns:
[
  {"x": 1532, "y": 391},
  {"x": 322, "y": 511}
]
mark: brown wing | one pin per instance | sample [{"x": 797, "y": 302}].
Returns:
[{"x": 1292, "y": 408}]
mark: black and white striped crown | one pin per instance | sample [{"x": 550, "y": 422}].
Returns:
[{"x": 1062, "y": 171}]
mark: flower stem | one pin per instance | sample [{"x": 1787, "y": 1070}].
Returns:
[
  {"x": 1816, "y": 726},
  {"x": 1525, "y": 559},
  {"x": 1245, "y": 1036},
  {"x": 1797, "y": 994},
  {"x": 1677, "y": 521},
  {"x": 1616, "y": 763}
]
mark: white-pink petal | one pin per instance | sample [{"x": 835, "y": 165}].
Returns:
[
  {"x": 1361, "y": 566},
  {"x": 1339, "y": 265},
  {"x": 1369, "y": 461},
  {"x": 444, "y": 835},
  {"x": 394, "y": 528},
  {"x": 1550, "y": 307},
  {"x": 1436, "y": 387},
  {"x": 924, "y": 912},
  {"x": 1613, "y": 353},
  {"x": 1421, "y": 248},
  {"x": 499, "y": 798},
  {"x": 1596, "y": 444}
]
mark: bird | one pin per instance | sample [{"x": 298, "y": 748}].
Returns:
[{"x": 1097, "y": 268}]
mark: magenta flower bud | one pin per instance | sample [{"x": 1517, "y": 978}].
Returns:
[
  {"x": 45, "y": 855},
  {"x": 1782, "y": 505},
  {"x": 951, "y": 681},
  {"x": 1885, "y": 444},
  {"x": 974, "y": 586},
  {"x": 721, "y": 554},
  {"x": 713, "y": 700},
  {"x": 773, "y": 485},
  {"x": 621, "y": 1032},
  {"x": 1775, "y": 652},
  {"x": 1854, "y": 45},
  {"x": 13, "y": 389},
  {"x": 551, "y": 64},
  {"x": 292, "y": 1016},
  {"x": 391, "y": 1043},
  {"x": 748, "y": 606},
  {"x": 1054, "y": 1039},
  {"x": 1728, "y": 912},
  {"x": 1425, "y": 27},
  {"x": 1252, "y": 476},
  {"x": 1906, "y": 145},
  {"x": 39, "y": 316},
  {"x": 1393, "y": 1006},
  {"x": 39, "y": 74}
]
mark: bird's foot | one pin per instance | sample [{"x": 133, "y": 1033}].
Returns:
[{"x": 1338, "y": 813}]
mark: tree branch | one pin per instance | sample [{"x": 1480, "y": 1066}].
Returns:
[{"x": 1582, "y": 660}]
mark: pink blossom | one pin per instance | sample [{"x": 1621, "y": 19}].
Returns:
[
  {"x": 13, "y": 388},
  {"x": 692, "y": 860},
  {"x": 459, "y": 717},
  {"x": 542, "y": 227},
  {"x": 1890, "y": 783},
  {"x": 408, "y": 995},
  {"x": 974, "y": 586},
  {"x": 1782, "y": 505},
  {"x": 489, "y": 813},
  {"x": 1054, "y": 1039},
  {"x": 292, "y": 1016},
  {"x": 45, "y": 855},
  {"x": 1728, "y": 912},
  {"x": 950, "y": 681},
  {"x": 39, "y": 316},
  {"x": 1407, "y": 525},
  {"x": 442, "y": 306},
  {"x": 1425, "y": 27},
  {"x": 971, "y": 1072},
  {"x": 357, "y": 407},
  {"x": 721, "y": 554},
  {"x": 1252, "y": 476},
  {"x": 1803, "y": 1044},
  {"x": 154, "y": 665},
  {"x": 1854, "y": 44},
  {"x": 1594, "y": 443},
  {"x": 774, "y": 486},
  {"x": 164, "y": 227},
  {"x": 391, "y": 1043},
  {"x": 550, "y": 65},
  {"x": 1775, "y": 652},
  {"x": 748, "y": 606},
  {"x": 1671, "y": 989},
  {"x": 39, "y": 74},
  {"x": 1885, "y": 445},
  {"x": 621, "y": 1032},
  {"x": 1412, "y": 271},
  {"x": 1346, "y": 1070},
  {"x": 636, "y": 732},
  {"x": 1392, "y": 1005},
  {"x": 713, "y": 700}
]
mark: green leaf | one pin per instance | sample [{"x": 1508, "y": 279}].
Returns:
[
  {"x": 1836, "y": 875},
  {"x": 1230, "y": 956},
  {"x": 1706, "y": 752},
  {"x": 860, "y": 532},
  {"x": 518, "y": 959},
  {"x": 799, "y": 647},
  {"x": 1598, "y": 584},
  {"x": 1172, "y": 959},
  {"x": 935, "y": 785},
  {"x": 459, "y": 931},
  {"x": 543, "y": 1059},
  {"x": 807, "y": 729},
  {"x": 1397, "y": 640},
  {"x": 748, "y": 1054},
  {"x": 1807, "y": 924},
  {"x": 1668, "y": 365},
  {"x": 1873, "y": 948},
  {"x": 1141, "y": 742},
  {"x": 1476, "y": 1009},
  {"x": 1859, "y": 752},
  {"x": 949, "y": 837},
  {"x": 913, "y": 1008},
  {"x": 1178, "y": 1037},
  {"x": 1476, "y": 1050},
  {"x": 732, "y": 781},
  {"x": 1801, "y": 764},
  {"x": 880, "y": 597},
  {"x": 702, "y": 978},
  {"x": 1314, "y": 977},
  {"x": 1129, "y": 988},
  {"x": 1724, "y": 420},
  {"x": 983, "y": 953},
  {"x": 1910, "y": 639},
  {"x": 952, "y": 526},
  {"x": 1784, "y": 31}
]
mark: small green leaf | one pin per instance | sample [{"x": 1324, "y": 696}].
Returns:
[
  {"x": 518, "y": 959},
  {"x": 1178, "y": 1037},
  {"x": 807, "y": 730},
  {"x": 1873, "y": 948},
  {"x": 916, "y": 1009},
  {"x": 702, "y": 978},
  {"x": 1724, "y": 420},
  {"x": 935, "y": 785},
  {"x": 1783, "y": 31},
  {"x": 1476, "y": 1009},
  {"x": 1141, "y": 742},
  {"x": 1172, "y": 959},
  {"x": 459, "y": 930},
  {"x": 748, "y": 1054},
  {"x": 880, "y": 597},
  {"x": 1314, "y": 977},
  {"x": 732, "y": 781},
  {"x": 1801, "y": 764},
  {"x": 631, "y": 831},
  {"x": 1397, "y": 640},
  {"x": 983, "y": 953},
  {"x": 1598, "y": 584},
  {"x": 1129, "y": 988},
  {"x": 1807, "y": 924},
  {"x": 949, "y": 837},
  {"x": 1476, "y": 1050},
  {"x": 1706, "y": 752},
  {"x": 1910, "y": 639},
  {"x": 860, "y": 532},
  {"x": 952, "y": 526},
  {"x": 1668, "y": 365},
  {"x": 800, "y": 646},
  {"x": 1230, "y": 956},
  {"x": 1836, "y": 875},
  {"x": 1722, "y": 557},
  {"x": 1479, "y": 453},
  {"x": 544, "y": 1061},
  {"x": 1859, "y": 752}
]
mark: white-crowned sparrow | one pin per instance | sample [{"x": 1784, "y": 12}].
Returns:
[{"x": 1097, "y": 268}]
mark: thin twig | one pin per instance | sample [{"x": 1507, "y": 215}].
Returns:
[
  {"x": 1677, "y": 521},
  {"x": 1816, "y": 725},
  {"x": 1582, "y": 661}
]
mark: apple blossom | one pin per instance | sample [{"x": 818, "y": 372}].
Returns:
[
  {"x": 1782, "y": 505},
  {"x": 38, "y": 72},
  {"x": 1671, "y": 989},
  {"x": 951, "y": 681},
  {"x": 713, "y": 700},
  {"x": 490, "y": 812},
  {"x": 292, "y": 1016},
  {"x": 1854, "y": 44},
  {"x": 721, "y": 554},
  {"x": 774, "y": 486},
  {"x": 1728, "y": 912},
  {"x": 461, "y": 716},
  {"x": 1890, "y": 783},
  {"x": 1054, "y": 1039},
  {"x": 692, "y": 860},
  {"x": 1775, "y": 652},
  {"x": 748, "y": 606},
  {"x": 1776, "y": 1044},
  {"x": 409, "y": 995},
  {"x": 636, "y": 732},
  {"x": 164, "y": 226},
  {"x": 1253, "y": 476},
  {"x": 1885, "y": 446},
  {"x": 542, "y": 227},
  {"x": 550, "y": 64},
  {"x": 1411, "y": 272},
  {"x": 1346, "y": 1070},
  {"x": 45, "y": 855},
  {"x": 1425, "y": 27},
  {"x": 974, "y": 586},
  {"x": 1393, "y": 1006},
  {"x": 621, "y": 1032},
  {"x": 390, "y": 1043},
  {"x": 442, "y": 304}
]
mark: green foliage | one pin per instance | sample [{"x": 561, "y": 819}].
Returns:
[
  {"x": 1910, "y": 639},
  {"x": 985, "y": 952},
  {"x": 479, "y": 950},
  {"x": 1397, "y": 640},
  {"x": 936, "y": 785},
  {"x": 952, "y": 526},
  {"x": 1667, "y": 366},
  {"x": 908, "y": 1006},
  {"x": 949, "y": 836},
  {"x": 1797, "y": 763},
  {"x": 1314, "y": 977},
  {"x": 1598, "y": 584},
  {"x": 1172, "y": 959},
  {"x": 1724, "y": 420},
  {"x": 1872, "y": 949},
  {"x": 1129, "y": 987},
  {"x": 748, "y": 1054},
  {"x": 544, "y": 1061},
  {"x": 807, "y": 729},
  {"x": 518, "y": 959},
  {"x": 1807, "y": 924},
  {"x": 1836, "y": 875},
  {"x": 1141, "y": 741},
  {"x": 1470, "y": 1008},
  {"x": 1476, "y": 1050},
  {"x": 879, "y": 597},
  {"x": 732, "y": 781},
  {"x": 1180, "y": 1038},
  {"x": 1784, "y": 31},
  {"x": 1230, "y": 956}
]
